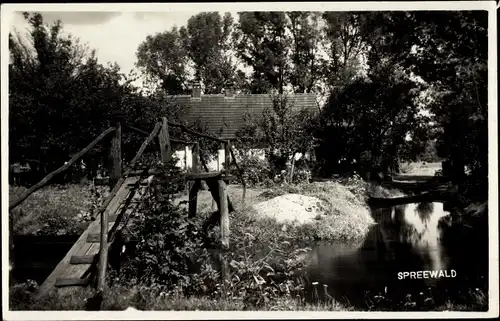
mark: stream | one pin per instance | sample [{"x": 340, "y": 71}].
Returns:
[{"x": 406, "y": 238}]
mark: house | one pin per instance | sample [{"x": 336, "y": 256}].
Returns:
[{"x": 225, "y": 114}]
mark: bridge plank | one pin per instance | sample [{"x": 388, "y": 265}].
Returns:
[
  {"x": 92, "y": 249},
  {"x": 81, "y": 247},
  {"x": 73, "y": 270},
  {"x": 71, "y": 281},
  {"x": 82, "y": 259}
]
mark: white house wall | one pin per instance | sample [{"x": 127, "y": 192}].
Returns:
[{"x": 185, "y": 156}]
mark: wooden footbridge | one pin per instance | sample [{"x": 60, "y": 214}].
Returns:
[{"x": 86, "y": 262}]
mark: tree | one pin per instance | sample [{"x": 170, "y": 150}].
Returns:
[
  {"x": 262, "y": 43},
  {"x": 306, "y": 39},
  {"x": 283, "y": 130},
  {"x": 367, "y": 124},
  {"x": 164, "y": 57},
  {"x": 207, "y": 43},
  {"x": 448, "y": 50},
  {"x": 60, "y": 98},
  {"x": 346, "y": 41}
]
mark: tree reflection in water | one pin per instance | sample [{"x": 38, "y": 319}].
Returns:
[{"x": 404, "y": 238}]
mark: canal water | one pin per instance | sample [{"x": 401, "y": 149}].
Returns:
[
  {"x": 36, "y": 256},
  {"x": 407, "y": 238}
]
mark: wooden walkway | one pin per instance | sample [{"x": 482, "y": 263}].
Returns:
[{"x": 76, "y": 267}]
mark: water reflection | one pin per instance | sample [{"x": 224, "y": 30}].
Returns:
[{"x": 405, "y": 238}]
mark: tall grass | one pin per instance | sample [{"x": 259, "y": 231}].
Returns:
[{"x": 56, "y": 209}]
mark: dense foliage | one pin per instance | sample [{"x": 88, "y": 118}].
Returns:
[
  {"x": 449, "y": 52},
  {"x": 388, "y": 93},
  {"x": 61, "y": 98}
]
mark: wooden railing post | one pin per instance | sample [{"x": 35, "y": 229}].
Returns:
[
  {"x": 227, "y": 159},
  {"x": 103, "y": 252},
  {"x": 243, "y": 177},
  {"x": 164, "y": 140},
  {"x": 224, "y": 227},
  {"x": 195, "y": 158},
  {"x": 194, "y": 186},
  {"x": 224, "y": 214},
  {"x": 116, "y": 156}
]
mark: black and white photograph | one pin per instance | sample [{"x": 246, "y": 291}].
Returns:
[{"x": 249, "y": 160}]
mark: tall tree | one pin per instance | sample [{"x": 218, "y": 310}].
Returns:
[
  {"x": 164, "y": 57},
  {"x": 367, "y": 123},
  {"x": 207, "y": 42},
  {"x": 262, "y": 43},
  {"x": 60, "y": 97},
  {"x": 449, "y": 51},
  {"x": 346, "y": 44},
  {"x": 306, "y": 39}
]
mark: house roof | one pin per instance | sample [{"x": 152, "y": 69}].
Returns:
[{"x": 219, "y": 112}]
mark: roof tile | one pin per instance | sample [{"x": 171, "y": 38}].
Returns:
[{"x": 217, "y": 111}]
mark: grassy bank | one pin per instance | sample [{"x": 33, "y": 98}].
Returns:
[
  {"x": 265, "y": 258},
  {"x": 420, "y": 168},
  {"x": 56, "y": 209}
]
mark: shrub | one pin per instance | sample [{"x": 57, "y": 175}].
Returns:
[
  {"x": 257, "y": 171},
  {"x": 173, "y": 259},
  {"x": 170, "y": 243}
]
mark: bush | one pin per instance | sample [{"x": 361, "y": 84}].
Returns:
[
  {"x": 173, "y": 259},
  {"x": 170, "y": 243},
  {"x": 257, "y": 171}
]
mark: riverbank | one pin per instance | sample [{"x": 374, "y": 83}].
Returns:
[
  {"x": 180, "y": 269},
  {"x": 56, "y": 209},
  {"x": 265, "y": 254}
]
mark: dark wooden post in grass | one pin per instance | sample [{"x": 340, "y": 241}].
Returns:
[
  {"x": 114, "y": 176},
  {"x": 224, "y": 214},
  {"x": 227, "y": 159},
  {"x": 194, "y": 186},
  {"x": 224, "y": 227},
  {"x": 164, "y": 140},
  {"x": 103, "y": 252},
  {"x": 116, "y": 156}
]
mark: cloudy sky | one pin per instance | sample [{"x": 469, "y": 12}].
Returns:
[{"x": 114, "y": 35}]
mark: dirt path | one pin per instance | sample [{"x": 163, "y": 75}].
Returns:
[{"x": 207, "y": 204}]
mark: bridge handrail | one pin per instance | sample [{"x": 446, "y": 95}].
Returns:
[
  {"x": 184, "y": 128},
  {"x": 103, "y": 255},
  {"x": 61, "y": 169},
  {"x": 143, "y": 132},
  {"x": 190, "y": 131}
]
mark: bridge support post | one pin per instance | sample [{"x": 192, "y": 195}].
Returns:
[
  {"x": 116, "y": 156},
  {"x": 103, "y": 252},
  {"x": 193, "y": 197},
  {"x": 224, "y": 228},
  {"x": 224, "y": 214},
  {"x": 194, "y": 186},
  {"x": 227, "y": 159}
]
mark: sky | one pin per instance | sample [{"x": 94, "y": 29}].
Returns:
[{"x": 114, "y": 35}]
